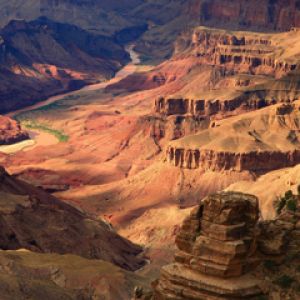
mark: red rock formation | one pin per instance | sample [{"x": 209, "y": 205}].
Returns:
[
  {"x": 220, "y": 247},
  {"x": 210, "y": 150},
  {"x": 179, "y": 106},
  {"x": 217, "y": 252},
  {"x": 244, "y": 52},
  {"x": 275, "y": 15},
  {"x": 11, "y": 132},
  {"x": 262, "y": 161}
]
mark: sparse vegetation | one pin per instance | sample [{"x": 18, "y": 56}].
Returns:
[
  {"x": 291, "y": 205},
  {"x": 284, "y": 281},
  {"x": 261, "y": 297},
  {"x": 59, "y": 134},
  {"x": 288, "y": 201},
  {"x": 270, "y": 265},
  {"x": 288, "y": 194},
  {"x": 280, "y": 204}
]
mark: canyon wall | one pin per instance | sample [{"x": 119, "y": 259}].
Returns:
[
  {"x": 261, "y": 161},
  {"x": 226, "y": 252},
  {"x": 240, "y": 52},
  {"x": 265, "y": 15},
  {"x": 242, "y": 143},
  {"x": 43, "y": 58},
  {"x": 179, "y": 106},
  {"x": 217, "y": 252}
]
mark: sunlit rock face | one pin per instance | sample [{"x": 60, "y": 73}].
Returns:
[{"x": 217, "y": 252}]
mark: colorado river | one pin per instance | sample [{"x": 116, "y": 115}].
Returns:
[
  {"x": 45, "y": 139},
  {"x": 127, "y": 70}
]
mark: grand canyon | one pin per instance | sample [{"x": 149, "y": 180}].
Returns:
[{"x": 150, "y": 150}]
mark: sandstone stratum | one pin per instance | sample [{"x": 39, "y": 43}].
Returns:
[
  {"x": 251, "y": 142},
  {"x": 225, "y": 252}
]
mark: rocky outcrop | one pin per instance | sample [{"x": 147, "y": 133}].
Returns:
[
  {"x": 197, "y": 107},
  {"x": 275, "y": 15},
  {"x": 253, "y": 149},
  {"x": 225, "y": 252},
  {"x": 254, "y": 54},
  {"x": 261, "y": 161},
  {"x": 32, "y": 219},
  {"x": 232, "y": 72},
  {"x": 217, "y": 252},
  {"x": 42, "y": 58},
  {"x": 175, "y": 127},
  {"x": 11, "y": 132}
]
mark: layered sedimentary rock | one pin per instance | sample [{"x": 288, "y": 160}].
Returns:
[
  {"x": 219, "y": 161},
  {"x": 241, "y": 51},
  {"x": 198, "y": 107},
  {"x": 11, "y": 132},
  {"x": 258, "y": 142},
  {"x": 221, "y": 245},
  {"x": 32, "y": 219},
  {"x": 217, "y": 252},
  {"x": 233, "y": 70}
]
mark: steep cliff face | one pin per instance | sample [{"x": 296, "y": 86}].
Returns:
[
  {"x": 233, "y": 70},
  {"x": 223, "y": 73},
  {"x": 258, "y": 142},
  {"x": 225, "y": 252},
  {"x": 166, "y": 18},
  {"x": 253, "y": 15},
  {"x": 274, "y": 15},
  {"x": 217, "y": 252},
  {"x": 42, "y": 58}
]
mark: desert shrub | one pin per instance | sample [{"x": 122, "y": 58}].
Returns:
[
  {"x": 288, "y": 194},
  {"x": 281, "y": 202},
  {"x": 270, "y": 265},
  {"x": 261, "y": 297},
  {"x": 284, "y": 281},
  {"x": 291, "y": 204}
]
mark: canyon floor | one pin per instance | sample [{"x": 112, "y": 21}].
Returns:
[{"x": 108, "y": 151}]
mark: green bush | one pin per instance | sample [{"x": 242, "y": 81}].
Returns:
[
  {"x": 288, "y": 195},
  {"x": 291, "y": 204},
  {"x": 270, "y": 265},
  {"x": 280, "y": 205},
  {"x": 60, "y": 135},
  {"x": 261, "y": 297},
  {"x": 284, "y": 281}
]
